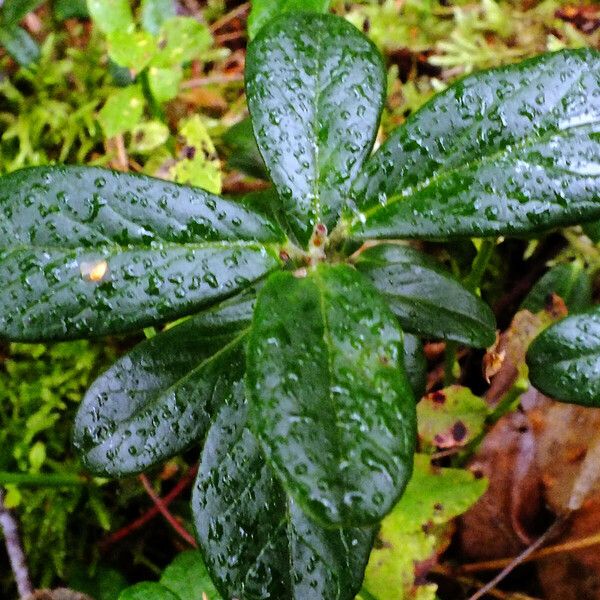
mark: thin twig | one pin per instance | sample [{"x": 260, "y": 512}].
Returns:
[
  {"x": 518, "y": 560},
  {"x": 570, "y": 546},
  {"x": 14, "y": 548},
  {"x": 236, "y": 12},
  {"x": 122, "y": 533},
  {"x": 184, "y": 534},
  {"x": 475, "y": 583},
  {"x": 212, "y": 79}
]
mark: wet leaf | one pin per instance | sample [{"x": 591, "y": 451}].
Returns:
[
  {"x": 161, "y": 397},
  {"x": 256, "y": 542},
  {"x": 331, "y": 404},
  {"x": 90, "y": 251},
  {"x": 315, "y": 89},
  {"x": 505, "y": 151},
  {"x": 415, "y": 364},
  {"x": 417, "y": 527},
  {"x": 427, "y": 300},
  {"x": 564, "y": 360},
  {"x": 451, "y": 417},
  {"x": 570, "y": 281},
  {"x": 264, "y": 10}
]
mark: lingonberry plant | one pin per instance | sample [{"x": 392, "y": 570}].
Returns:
[{"x": 292, "y": 376}]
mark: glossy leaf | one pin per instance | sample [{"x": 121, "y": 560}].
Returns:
[
  {"x": 564, "y": 360},
  {"x": 426, "y": 299},
  {"x": 570, "y": 281},
  {"x": 160, "y": 398},
  {"x": 315, "y": 88},
  {"x": 506, "y": 151},
  {"x": 245, "y": 154},
  {"x": 256, "y": 542},
  {"x": 331, "y": 404},
  {"x": 264, "y": 10},
  {"x": 415, "y": 364},
  {"x": 87, "y": 251}
]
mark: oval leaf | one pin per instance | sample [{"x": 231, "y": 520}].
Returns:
[
  {"x": 315, "y": 88},
  {"x": 415, "y": 364},
  {"x": 147, "y": 591},
  {"x": 427, "y": 300},
  {"x": 564, "y": 360},
  {"x": 160, "y": 398},
  {"x": 570, "y": 281},
  {"x": 331, "y": 404},
  {"x": 281, "y": 552},
  {"x": 188, "y": 578},
  {"x": 87, "y": 251},
  {"x": 506, "y": 151}
]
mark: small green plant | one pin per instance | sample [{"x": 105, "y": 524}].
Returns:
[{"x": 292, "y": 376}]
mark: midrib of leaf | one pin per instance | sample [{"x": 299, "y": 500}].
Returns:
[
  {"x": 441, "y": 173},
  {"x": 182, "y": 380},
  {"x": 224, "y": 244},
  {"x": 328, "y": 342}
]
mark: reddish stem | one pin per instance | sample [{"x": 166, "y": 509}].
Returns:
[{"x": 122, "y": 533}]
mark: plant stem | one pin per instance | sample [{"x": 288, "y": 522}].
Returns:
[
  {"x": 158, "y": 501},
  {"x": 520, "y": 558},
  {"x": 14, "y": 548},
  {"x": 472, "y": 281},
  {"x": 480, "y": 264}
]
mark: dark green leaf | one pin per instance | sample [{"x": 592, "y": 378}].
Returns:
[
  {"x": 564, "y": 360},
  {"x": 19, "y": 44},
  {"x": 415, "y": 364},
  {"x": 315, "y": 89},
  {"x": 570, "y": 281},
  {"x": 86, "y": 251},
  {"x": 155, "y": 12},
  {"x": 245, "y": 154},
  {"x": 13, "y": 11},
  {"x": 506, "y": 151},
  {"x": 264, "y": 10},
  {"x": 331, "y": 404},
  {"x": 188, "y": 578},
  {"x": 257, "y": 543},
  {"x": 160, "y": 398},
  {"x": 426, "y": 299}
]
